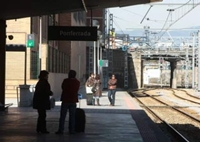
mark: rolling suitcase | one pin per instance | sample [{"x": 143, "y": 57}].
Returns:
[
  {"x": 89, "y": 98},
  {"x": 80, "y": 119}
]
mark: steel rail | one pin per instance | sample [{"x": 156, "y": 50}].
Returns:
[
  {"x": 189, "y": 116},
  {"x": 188, "y": 95},
  {"x": 178, "y": 136}
]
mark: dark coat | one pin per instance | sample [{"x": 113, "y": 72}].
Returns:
[
  {"x": 98, "y": 88},
  {"x": 70, "y": 87},
  {"x": 41, "y": 95}
]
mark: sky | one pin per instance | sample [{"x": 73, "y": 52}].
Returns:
[{"x": 160, "y": 17}]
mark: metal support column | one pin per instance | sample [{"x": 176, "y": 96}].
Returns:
[
  {"x": 126, "y": 70},
  {"x": 187, "y": 68},
  {"x": 110, "y": 51},
  {"x": 90, "y": 60},
  {"x": 105, "y": 54},
  {"x": 40, "y": 44},
  {"x": 193, "y": 61},
  {"x": 2, "y": 62},
  {"x": 173, "y": 65},
  {"x": 104, "y": 34},
  {"x": 198, "y": 60},
  {"x": 94, "y": 51},
  {"x": 98, "y": 68}
]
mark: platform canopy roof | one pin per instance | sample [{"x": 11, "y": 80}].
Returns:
[{"x": 13, "y": 9}]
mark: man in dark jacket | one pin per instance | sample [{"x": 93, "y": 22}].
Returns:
[{"x": 69, "y": 98}]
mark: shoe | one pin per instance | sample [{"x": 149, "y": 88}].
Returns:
[
  {"x": 59, "y": 132},
  {"x": 45, "y": 132},
  {"x": 71, "y": 133},
  {"x": 42, "y": 132}
]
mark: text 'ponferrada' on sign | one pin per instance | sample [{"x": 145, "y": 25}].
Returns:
[{"x": 73, "y": 33}]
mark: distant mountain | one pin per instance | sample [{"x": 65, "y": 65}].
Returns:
[
  {"x": 185, "y": 32},
  {"x": 136, "y": 32}
]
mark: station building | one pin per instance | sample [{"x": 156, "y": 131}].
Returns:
[{"x": 57, "y": 57}]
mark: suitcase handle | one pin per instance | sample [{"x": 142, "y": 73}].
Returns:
[{"x": 80, "y": 96}]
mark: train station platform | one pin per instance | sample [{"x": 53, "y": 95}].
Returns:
[{"x": 124, "y": 122}]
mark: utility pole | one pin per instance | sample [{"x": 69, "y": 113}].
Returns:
[
  {"x": 146, "y": 30},
  {"x": 193, "y": 61},
  {"x": 110, "y": 44},
  {"x": 40, "y": 45},
  {"x": 198, "y": 61},
  {"x": 161, "y": 68},
  {"x": 186, "y": 68}
]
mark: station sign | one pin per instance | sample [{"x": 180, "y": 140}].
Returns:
[
  {"x": 30, "y": 40},
  {"x": 103, "y": 63},
  {"x": 72, "y": 33}
]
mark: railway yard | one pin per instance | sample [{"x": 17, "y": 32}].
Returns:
[{"x": 175, "y": 111}]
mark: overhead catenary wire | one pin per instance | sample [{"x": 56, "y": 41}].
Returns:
[
  {"x": 130, "y": 22},
  {"x": 146, "y": 14},
  {"x": 194, "y": 6},
  {"x": 124, "y": 20},
  {"x": 165, "y": 22},
  {"x": 191, "y": 3},
  {"x": 132, "y": 12},
  {"x": 152, "y": 20},
  {"x": 183, "y": 5},
  {"x": 118, "y": 26}
]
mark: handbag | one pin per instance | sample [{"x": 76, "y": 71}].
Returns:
[
  {"x": 88, "y": 90},
  {"x": 52, "y": 102},
  {"x": 94, "y": 89}
]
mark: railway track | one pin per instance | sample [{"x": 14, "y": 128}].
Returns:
[
  {"x": 179, "y": 99},
  {"x": 183, "y": 126},
  {"x": 182, "y": 94}
]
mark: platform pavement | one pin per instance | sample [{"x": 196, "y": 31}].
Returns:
[{"x": 103, "y": 123}]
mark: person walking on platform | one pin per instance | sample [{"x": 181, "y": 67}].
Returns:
[
  {"x": 69, "y": 98},
  {"x": 88, "y": 85},
  {"x": 112, "y": 84},
  {"x": 97, "y": 93},
  {"x": 41, "y": 101}
]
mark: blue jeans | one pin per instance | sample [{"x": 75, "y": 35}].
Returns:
[
  {"x": 111, "y": 96},
  {"x": 63, "y": 112}
]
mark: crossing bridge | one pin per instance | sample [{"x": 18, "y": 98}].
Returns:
[{"x": 170, "y": 53}]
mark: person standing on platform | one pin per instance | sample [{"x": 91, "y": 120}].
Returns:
[
  {"x": 112, "y": 85},
  {"x": 97, "y": 94},
  {"x": 88, "y": 85},
  {"x": 90, "y": 80},
  {"x": 69, "y": 98},
  {"x": 41, "y": 100}
]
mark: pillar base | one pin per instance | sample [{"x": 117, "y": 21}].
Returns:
[{"x": 174, "y": 85}]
